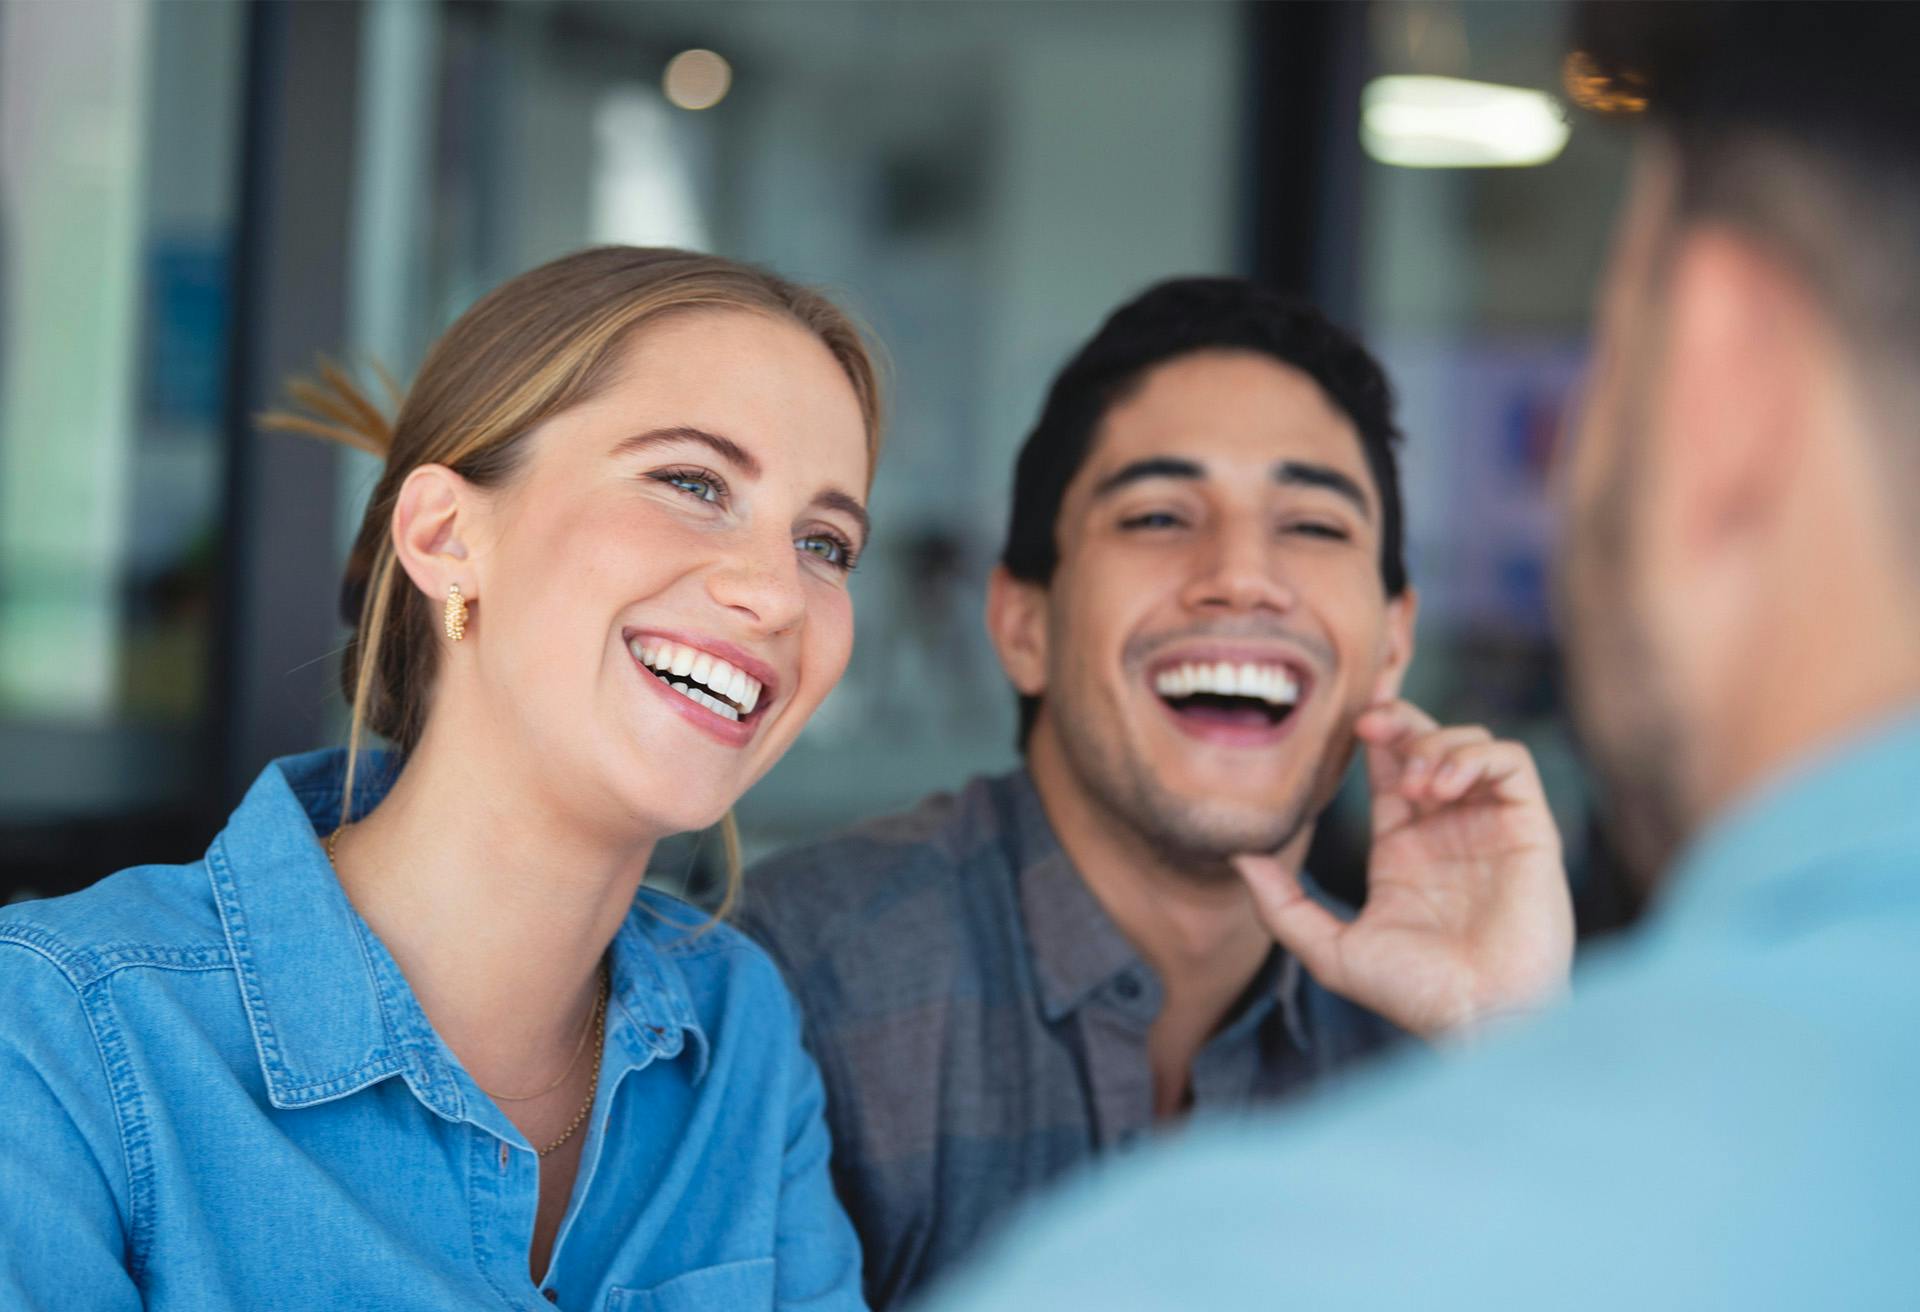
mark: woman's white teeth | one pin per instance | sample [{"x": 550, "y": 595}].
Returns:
[
  {"x": 1270, "y": 683},
  {"x": 713, "y": 704},
  {"x": 727, "y": 691}
]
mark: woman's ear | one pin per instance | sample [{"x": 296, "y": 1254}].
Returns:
[
  {"x": 431, "y": 521},
  {"x": 1017, "y": 623}
]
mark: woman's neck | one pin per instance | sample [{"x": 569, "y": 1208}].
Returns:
[{"x": 496, "y": 902}]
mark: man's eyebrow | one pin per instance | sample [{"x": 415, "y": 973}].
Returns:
[
  {"x": 725, "y": 447},
  {"x": 1150, "y": 467},
  {"x": 848, "y": 504},
  {"x": 1296, "y": 473}
]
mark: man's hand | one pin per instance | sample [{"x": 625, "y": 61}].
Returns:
[{"x": 1468, "y": 914}]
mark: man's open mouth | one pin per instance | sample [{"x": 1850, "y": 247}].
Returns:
[
  {"x": 1249, "y": 695},
  {"x": 699, "y": 676}
]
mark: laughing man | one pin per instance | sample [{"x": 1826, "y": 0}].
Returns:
[{"x": 1204, "y": 609}]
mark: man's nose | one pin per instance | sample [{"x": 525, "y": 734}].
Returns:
[{"x": 1239, "y": 570}]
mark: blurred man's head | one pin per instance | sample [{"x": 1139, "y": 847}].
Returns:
[
  {"x": 1203, "y": 583},
  {"x": 1743, "y": 571}
]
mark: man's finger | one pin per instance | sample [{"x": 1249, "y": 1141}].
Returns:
[
  {"x": 1386, "y": 723},
  {"x": 1382, "y": 728},
  {"x": 1299, "y": 924},
  {"x": 1505, "y": 767},
  {"x": 1422, "y": 755}
]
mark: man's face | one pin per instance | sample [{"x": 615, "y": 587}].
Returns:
[
  {"x": 1621, "y": 689},
  {"x": 1217, "y": 620}
]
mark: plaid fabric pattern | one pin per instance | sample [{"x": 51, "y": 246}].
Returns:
[{"x": 981, "y": 1024}]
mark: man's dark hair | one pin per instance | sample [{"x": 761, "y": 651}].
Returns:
[
  {"x": 1172, "y": 319},
  {"x": 1797, "y": 124}
]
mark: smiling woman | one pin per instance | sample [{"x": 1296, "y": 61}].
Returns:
[{"x": 599, "y": 588}]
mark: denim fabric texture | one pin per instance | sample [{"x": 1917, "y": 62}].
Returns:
[
  {"x": 1723, "y": 1117},
  {"x": 218, "y": 1091}
]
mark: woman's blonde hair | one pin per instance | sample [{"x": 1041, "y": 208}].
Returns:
[{"x": 540, "y": 344}]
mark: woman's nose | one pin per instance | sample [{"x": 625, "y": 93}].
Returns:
[{"x": 761, "y": 583}]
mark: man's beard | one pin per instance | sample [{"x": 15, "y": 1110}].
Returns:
[
  {"x": 1193, "y": 838},
  {"x": 1622, "y": 708}
]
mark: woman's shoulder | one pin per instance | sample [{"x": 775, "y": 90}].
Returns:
[
  {"x": 695, "y": 938},
  {"x": 727, "y": 978},
  {"x": 146, "y": 915}
]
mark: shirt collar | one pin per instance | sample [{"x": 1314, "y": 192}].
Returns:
[
  {"x": 1835, "y": 833},
  {"x": 330, "y": 1011},
  {"x": 650, "y": 1000},
  {"x": 1074, "y": 946}
]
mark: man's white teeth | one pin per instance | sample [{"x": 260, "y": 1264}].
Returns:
[
  {"x": 727, "y": 691},
  {"x": 1270, "y": 683}
]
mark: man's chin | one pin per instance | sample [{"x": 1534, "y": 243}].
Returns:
[{"x": 1207, "y": 833}]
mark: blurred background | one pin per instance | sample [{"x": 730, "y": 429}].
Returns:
[{"x": 197, "y": 196}]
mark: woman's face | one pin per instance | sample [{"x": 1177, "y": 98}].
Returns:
[{"x": 663, "y": 585}]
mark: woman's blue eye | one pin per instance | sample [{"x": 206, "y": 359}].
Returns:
[
  {"x": 694, "y": 485},
  {"x": 830, "y": 549}
]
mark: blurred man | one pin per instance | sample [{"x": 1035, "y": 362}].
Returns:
[
  {"x": 1724, "y": 1116},
  {"x": 1202, "y": 604}
]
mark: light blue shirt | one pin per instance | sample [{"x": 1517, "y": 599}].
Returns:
[
  {"x": 218, "y": 1091},
  {"x": 1727, "y": 1116}
]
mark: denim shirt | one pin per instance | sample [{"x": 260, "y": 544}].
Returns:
[{"x": 218, "y": 1091}]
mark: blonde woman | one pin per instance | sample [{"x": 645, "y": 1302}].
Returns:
[{"x": 413, "y": 1035}]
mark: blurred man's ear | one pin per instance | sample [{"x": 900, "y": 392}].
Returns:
[
  {"x": 1017, "y": 623},
  {"x": 1742, "y": 337},
  {"x": 1397, "y": 640}
]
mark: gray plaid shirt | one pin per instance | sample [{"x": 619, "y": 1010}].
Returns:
[{"x": 981, "y": 1024}]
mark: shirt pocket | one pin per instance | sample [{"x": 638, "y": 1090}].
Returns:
[{"x": 723, "y": 1288}]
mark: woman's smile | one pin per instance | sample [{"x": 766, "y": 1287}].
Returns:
[{"x": 714, "y": 685}]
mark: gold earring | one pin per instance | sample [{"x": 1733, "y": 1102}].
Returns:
[{"x": 454, "y": 616}]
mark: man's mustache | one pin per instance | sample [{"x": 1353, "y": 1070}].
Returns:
[{"x": 1250, "y": 628}]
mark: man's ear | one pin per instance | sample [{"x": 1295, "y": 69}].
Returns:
[
  {"x": 1017, "y": 623},
  {"x": 432, "y": 520},
  {"x": 1740, "y": 327},
  {"x": 1402, "y": 611}
]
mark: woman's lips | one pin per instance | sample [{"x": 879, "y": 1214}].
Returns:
[{"x": 704, "y": 683}]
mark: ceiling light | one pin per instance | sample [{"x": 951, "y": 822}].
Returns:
[
  {"x": 1449, "y": 123},
  {"x": 697, "y": 79}
]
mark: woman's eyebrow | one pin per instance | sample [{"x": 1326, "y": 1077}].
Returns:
[
  {"x": 724, "y": 447},
  {"x": 846, "y": 503}
]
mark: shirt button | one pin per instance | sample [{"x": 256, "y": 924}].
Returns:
[
  {"x": 553, "y": 1295},
  {"x": 505, "y": 1155},
  {"x": 1128, "y": 986}
]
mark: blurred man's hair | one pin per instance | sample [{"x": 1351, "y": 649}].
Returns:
[
  {"x": 1799, "y": 125},
  {"x": 1171, "y": 319}
]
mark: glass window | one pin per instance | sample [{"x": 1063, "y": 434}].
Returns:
[
  {"x": 117, "y": 146},
  {"x": 1476, "y": 288},
  {"x": 981, "y": 183}
]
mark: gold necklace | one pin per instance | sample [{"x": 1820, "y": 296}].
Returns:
[
  {"x": 580, "y": 1046},
  {"x": 593, "y": 1081},
  {"x": 596, "y": 1026}
]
